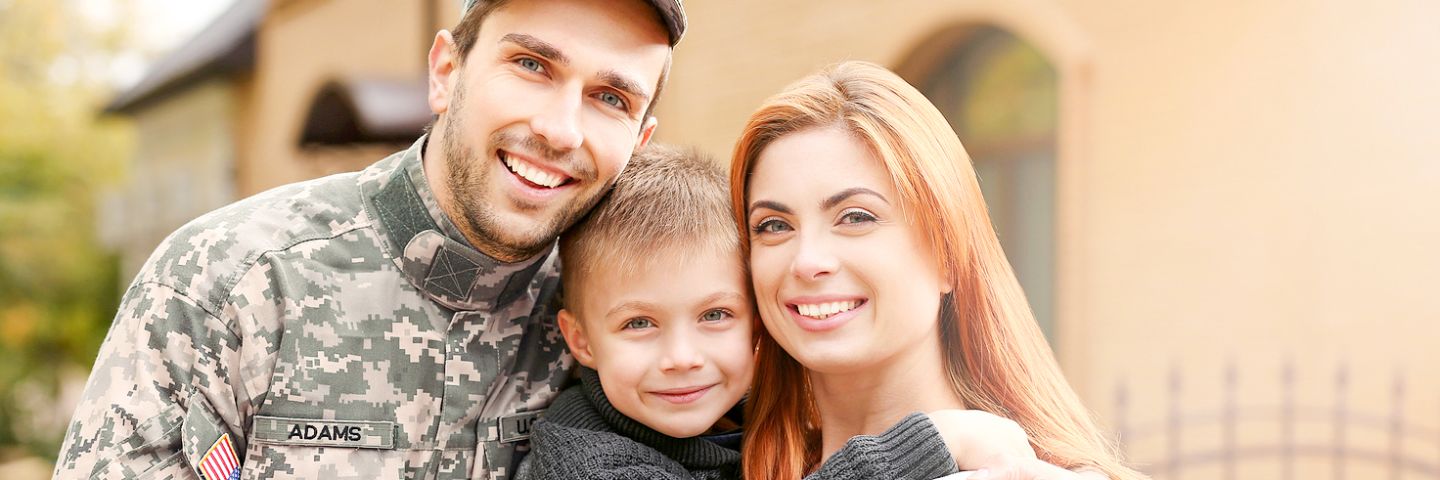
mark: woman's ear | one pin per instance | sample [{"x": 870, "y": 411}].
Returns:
[{"x": 574, "y": 333}]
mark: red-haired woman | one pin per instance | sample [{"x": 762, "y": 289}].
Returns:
[{"x": 883, "y": 290}]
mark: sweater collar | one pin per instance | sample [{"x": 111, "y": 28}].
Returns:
[{"x": 695, "y": 453}]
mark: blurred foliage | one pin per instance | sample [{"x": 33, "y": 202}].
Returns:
[{"x": 58, "y": 286}]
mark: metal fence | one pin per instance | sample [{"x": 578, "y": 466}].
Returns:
[{"x": 1340, "y": 419}]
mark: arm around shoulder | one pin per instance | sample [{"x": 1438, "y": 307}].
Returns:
[{"x": 911, "y": 449}]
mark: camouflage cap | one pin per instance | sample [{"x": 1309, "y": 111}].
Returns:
[{"x": 671, "y": 11}]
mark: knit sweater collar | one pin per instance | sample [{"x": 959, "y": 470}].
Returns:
[{"x": 695, "y": 453}]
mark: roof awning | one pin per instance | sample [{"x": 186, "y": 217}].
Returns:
[
  {"x": 225, "y": 46},
  {"x": 366, "y": 110}
]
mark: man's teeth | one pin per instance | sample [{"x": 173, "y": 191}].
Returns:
[
  {"x": 822, "y": 310},
  {"x": 534, "y": 175}
]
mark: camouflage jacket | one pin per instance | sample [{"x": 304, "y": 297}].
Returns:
[{"x": 335, "y": 328}]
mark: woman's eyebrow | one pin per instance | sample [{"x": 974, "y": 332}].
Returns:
[
  {"x": 776, "y": 206},
  {"x": 847, "y": 193}
]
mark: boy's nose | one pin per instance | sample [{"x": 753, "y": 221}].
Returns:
[{"x": 681, "y": 354}]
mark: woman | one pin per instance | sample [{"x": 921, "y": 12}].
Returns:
[{"x": 881, "y": 284}]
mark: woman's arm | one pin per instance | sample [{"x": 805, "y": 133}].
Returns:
[{"x": 912, "y": 449}]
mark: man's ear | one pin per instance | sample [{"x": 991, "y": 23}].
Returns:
[
  {"x": 443, "y": 71},
  {"x": 646, "y": 131},
  {"x": 574, "y": 333}
]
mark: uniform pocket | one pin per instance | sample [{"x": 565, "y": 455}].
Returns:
[{"x": 207, "y": 443}]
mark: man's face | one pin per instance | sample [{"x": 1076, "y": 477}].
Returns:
[{"x": 541, "y": 116}]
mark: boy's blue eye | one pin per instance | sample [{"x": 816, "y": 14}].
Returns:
[
  {"x": 715, "y": 315},
  {"x": 639, "y": 323}
]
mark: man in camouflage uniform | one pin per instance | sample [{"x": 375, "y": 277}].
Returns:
[{"x": 395, "y": 322}]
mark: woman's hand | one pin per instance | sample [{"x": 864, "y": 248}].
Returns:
[
  {"x": 981, "y": 440},
  {"x": 991, "y": 447},
  {"x": 1034, "y": 469}
]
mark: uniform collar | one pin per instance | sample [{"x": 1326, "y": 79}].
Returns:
[{"x": 429, "y": 249}]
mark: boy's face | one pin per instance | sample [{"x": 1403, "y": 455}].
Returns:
[{"x": 671, "y": 342}]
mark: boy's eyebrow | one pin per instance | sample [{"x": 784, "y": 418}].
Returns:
[
  {"x": 773, "y": 205},
  {"x": 718, "y": 296},
  {"x": 630, "y": 305},
  {"x": 540, "y": 47}
]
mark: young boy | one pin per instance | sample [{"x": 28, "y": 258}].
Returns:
[{"x": 658, "y": 313}]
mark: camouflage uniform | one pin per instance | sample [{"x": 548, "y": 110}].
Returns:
[{"x": 336, "y": 328}]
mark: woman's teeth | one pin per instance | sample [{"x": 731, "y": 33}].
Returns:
[
  {"x": 820, "y": 311},
  {"x": 534, "y": 175}
]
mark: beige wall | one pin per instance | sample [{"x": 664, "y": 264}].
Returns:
[
  {"x": 1239, "y": 181},
  {"x": 183, "y": 167},
  {"x": 302, "y": 45}
]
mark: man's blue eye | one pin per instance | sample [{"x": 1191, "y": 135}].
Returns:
[
  {"x": 531, "y": 64},
  {"x": 612, "y": 100}
]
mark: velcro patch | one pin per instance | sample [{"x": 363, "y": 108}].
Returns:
[
  {"x": 325, "y": 433},
  {"x": 514, "y": 428}
]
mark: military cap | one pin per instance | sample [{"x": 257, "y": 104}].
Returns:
[{"x": 671, "y": 11}]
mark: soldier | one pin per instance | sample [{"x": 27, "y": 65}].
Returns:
[{"x": 395, "y": 322}]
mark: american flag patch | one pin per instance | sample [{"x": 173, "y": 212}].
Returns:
[{"x": 220, "y": 463}]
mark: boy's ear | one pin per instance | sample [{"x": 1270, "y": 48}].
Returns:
[{"x": 575, "y": 337}]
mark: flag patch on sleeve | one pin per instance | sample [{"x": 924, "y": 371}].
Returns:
[{"x": 219, "y": 462}]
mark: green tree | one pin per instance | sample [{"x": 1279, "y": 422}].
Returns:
[{"x": 58, "y": 286}]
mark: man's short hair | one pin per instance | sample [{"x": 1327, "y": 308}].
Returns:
[
  {"x": 467, "y": 31},
  {"x": 668, "y": 203}
]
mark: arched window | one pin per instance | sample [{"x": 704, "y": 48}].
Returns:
[{"x": 1000, "y": 95}]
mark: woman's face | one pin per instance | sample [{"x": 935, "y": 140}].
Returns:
[{"x": 843, "y": 279}]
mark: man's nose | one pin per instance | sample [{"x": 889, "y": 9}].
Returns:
[{"x": 558, "y": 121}]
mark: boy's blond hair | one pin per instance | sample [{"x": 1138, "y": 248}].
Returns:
[{"x": 669, "y": 203}]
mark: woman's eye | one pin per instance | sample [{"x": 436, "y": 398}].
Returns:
[
  {"x": 530, "y": 64},
  {"x": 639, "y": 324},
  {"x": 856, "y": 216},
  {"x": 771, "y": 225},
  {"x": 613, "y": 100},
  {"x": 715, "y": 315}
]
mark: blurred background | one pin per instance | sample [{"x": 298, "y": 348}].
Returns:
[{"x": 1225, "y": 214}]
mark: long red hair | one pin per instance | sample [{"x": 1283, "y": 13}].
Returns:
[{"x": 997, "y": 359}]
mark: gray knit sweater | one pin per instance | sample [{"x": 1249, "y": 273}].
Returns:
[{"x": 582, "y": 436}]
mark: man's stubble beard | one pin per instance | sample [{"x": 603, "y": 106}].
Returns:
[{"x": 468, "y": 182}]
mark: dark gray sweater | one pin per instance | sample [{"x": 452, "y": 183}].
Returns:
[{"x": 582, "y": 436}]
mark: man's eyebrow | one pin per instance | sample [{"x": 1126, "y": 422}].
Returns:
[
  {"x": 776, "y": 206},
  {"x": 540, "y": 47},
  {"x": 835, "y": 199},
  {"x": 625, "y": 84}
]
